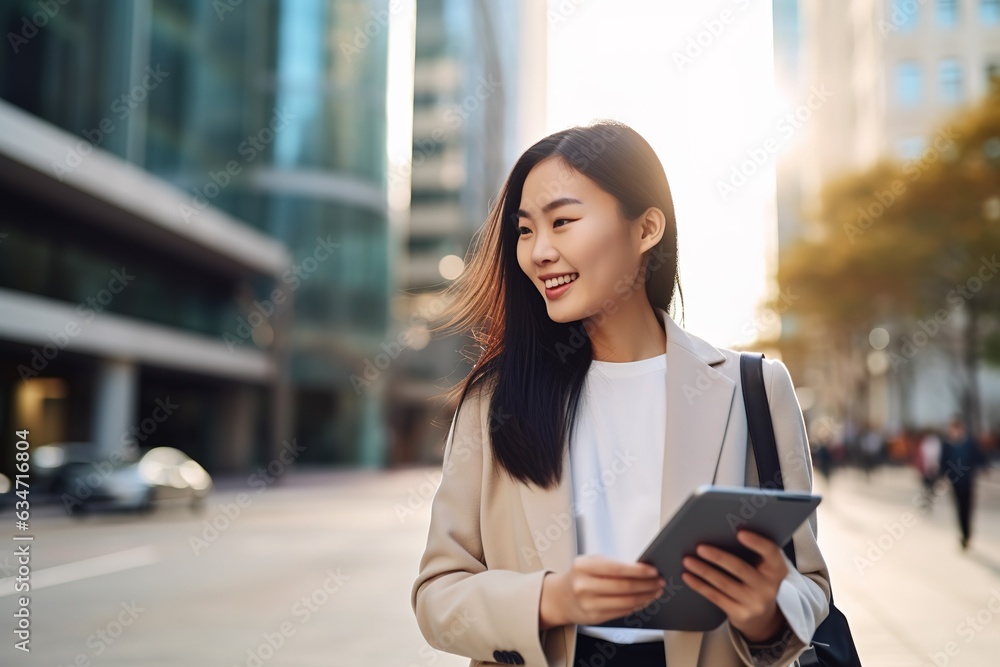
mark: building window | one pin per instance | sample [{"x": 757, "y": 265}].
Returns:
[
  {"x": 947, "y": 12},
  {"x": 992, "y": 75},
  {"x": 989, "y": 11},
  {"x": 908, "y": 84},
  {"x": 910, "y": 148},
  {"x": 903, "y": 14},
  {"x": 950, "y": 77}
]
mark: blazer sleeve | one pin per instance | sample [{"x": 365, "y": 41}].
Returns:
[
  {"x": 461, "y": 605},
  {"x": 804, "y": 594}
]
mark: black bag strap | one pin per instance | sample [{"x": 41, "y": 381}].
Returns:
[
  {"x": 838, "y": 647},
  {"x": 765, "y": 449}
]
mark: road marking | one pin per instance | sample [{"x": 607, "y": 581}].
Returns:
[{"x": 84, "y": 569}]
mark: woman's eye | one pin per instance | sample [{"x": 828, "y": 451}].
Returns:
[{"x": 555, "y": 223}]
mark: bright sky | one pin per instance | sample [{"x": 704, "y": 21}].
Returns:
[{"x": 618, "y": 59}]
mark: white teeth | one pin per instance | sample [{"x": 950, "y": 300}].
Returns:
[{"x": 561, "y": 280}]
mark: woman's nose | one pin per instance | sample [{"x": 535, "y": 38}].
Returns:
[{"x": 543, "y": 249}]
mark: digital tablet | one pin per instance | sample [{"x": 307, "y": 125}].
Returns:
[{"x": 712, "y": 515}]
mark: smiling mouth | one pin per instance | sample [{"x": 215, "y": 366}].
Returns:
[
  {"x": 558, "y": 290},
  {"x": 553, "y": 283}
]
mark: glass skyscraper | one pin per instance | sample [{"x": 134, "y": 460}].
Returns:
[{"x": 234, "y": 154}]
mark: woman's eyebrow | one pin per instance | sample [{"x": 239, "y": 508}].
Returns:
[{"x": 552, "y": 205}]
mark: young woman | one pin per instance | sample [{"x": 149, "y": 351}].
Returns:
[{"x": 588, "y": 418}]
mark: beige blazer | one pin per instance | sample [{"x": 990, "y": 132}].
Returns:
[{"x": 492, "y": 540}]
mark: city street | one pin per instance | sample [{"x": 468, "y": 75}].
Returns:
[
  {"x": 317, "y": 571},
  {"x": 267, "y": 244}
]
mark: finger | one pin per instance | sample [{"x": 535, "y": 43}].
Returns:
[
  {"x": 762, "y": 545},
  {"x": 716, "y": 577},
  {"x": 773, "y": 558},
  {"x": 607, "y": 608},
  {"x": 713, "y": 595},
  {"x": 605, "y": 567},
  {"x": 614, "y": 606},
  {"x": 641, "y": 600},
  {"x": 612, "y": 586},
  {"x": 729, "y": 562}
]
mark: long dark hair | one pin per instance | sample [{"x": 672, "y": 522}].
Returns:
[{"x": 536, "y": 367}]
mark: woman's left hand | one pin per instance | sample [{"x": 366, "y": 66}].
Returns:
[{"x": 745, "y": 593}]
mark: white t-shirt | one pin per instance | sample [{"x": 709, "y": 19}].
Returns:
[{"x": 616, "y": 455}]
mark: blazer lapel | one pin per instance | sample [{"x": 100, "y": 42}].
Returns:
[
  {"x": 697, "y": 411},
  {"x": 699, "y": 399}
]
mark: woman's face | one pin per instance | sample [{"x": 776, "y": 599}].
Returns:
[{"x": 570, "y": 228}]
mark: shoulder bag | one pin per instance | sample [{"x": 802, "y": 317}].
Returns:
[{"x": 832, "y": 643}]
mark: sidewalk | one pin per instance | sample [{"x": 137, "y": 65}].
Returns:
[{"x": 912, "y": 596}]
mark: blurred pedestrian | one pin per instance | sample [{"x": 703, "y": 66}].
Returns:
[
  {"x": 871, "y": 450},
  {"x": 961, "y": 458},
  {"x": 824, "y": 460},
  {"x": 928, "y": 463},
  {"x": 988, "y": 442},
  {"x": 822, "y": 451}
]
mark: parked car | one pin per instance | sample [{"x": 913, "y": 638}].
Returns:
[
  {"x": 7, "y": 496},
  {"x": 49, "y": 463},
  {"x": 163, "y": 475}
]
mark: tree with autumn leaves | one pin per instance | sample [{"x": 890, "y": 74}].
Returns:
[{"x": 914, "y": 244}]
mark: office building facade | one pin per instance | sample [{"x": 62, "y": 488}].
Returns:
[
  {"x": 234, "y": 154},
  {"x": 895, "y": 70}
]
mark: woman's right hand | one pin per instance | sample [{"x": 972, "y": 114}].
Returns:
[{"x": 597, "y": 589}]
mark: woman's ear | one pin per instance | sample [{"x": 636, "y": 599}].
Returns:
[{"x": 653, "y": 225}]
